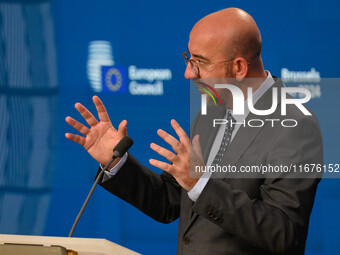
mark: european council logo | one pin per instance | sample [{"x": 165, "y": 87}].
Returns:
[
  {"x": 114, "y": 79},
  {"x": 100, "y": 54},
  {"x": 104, "y": 76}
]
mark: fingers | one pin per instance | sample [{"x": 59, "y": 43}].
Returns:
[
  {"x": 87, "y": 115},
  {"x": 76, "y": 138},
  {"x": 102, "y": 113},
  {"x": 196, "y": 146},
  {"x": 164, "y": 152},
  {"x": 181, "y": 133},
  {"x": 173, "y": 142},
  {"x": 122, "y": 127},
  {"x": 161, "y": 165},
  {"x": 77, "y": 125}
]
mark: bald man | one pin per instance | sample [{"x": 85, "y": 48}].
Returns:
[{"x": 219, "y": 215}]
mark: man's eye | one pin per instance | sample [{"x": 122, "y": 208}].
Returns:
[{"x": 200, "y": 61}]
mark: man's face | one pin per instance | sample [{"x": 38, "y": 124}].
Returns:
[{"x": 207, "y": 48}]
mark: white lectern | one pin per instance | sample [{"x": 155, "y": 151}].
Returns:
[{"x": 80, "y": 246}]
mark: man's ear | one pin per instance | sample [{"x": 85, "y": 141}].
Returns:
[{"x": 240, "y": 68}]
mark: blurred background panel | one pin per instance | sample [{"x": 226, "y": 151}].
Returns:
[
  {"x": 59, "y": 52},
  {"x": 28, "y": 115}
]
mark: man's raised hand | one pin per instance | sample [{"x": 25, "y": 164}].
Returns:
[
  {"x": 184, "y": 159},
  {"x": 101, "y": 137}
]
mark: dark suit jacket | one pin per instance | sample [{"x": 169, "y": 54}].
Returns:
[{"x": 236, "y": 215}]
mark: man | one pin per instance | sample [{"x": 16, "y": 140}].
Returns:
[{"x": 219, "y": 215}]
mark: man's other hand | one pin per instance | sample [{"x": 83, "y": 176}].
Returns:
[{"x": 181, "y": 168}]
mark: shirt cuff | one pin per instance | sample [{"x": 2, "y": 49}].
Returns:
[
  {"x": 114, "y": 170},
  {"x": 196, "y": 191}
]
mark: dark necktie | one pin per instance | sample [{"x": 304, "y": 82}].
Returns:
[{"x": 226, "y": 139}]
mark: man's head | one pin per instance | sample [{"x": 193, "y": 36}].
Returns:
[{"x": 226, "y": 43}]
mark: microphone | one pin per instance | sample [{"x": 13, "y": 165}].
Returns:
[{"x": 121, "y": 148}]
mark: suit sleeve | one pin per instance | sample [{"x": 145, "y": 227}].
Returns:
[
  {"x": 277, "y": 221},
  {"x": 156, "y": 195}
]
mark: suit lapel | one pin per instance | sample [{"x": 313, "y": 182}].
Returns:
[{"x": 242, "y": 139}]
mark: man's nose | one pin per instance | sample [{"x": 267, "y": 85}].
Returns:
[{"x": 189, "y": 73}]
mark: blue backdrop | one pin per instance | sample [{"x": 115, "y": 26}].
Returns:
[{"x": 59, "y": 52}]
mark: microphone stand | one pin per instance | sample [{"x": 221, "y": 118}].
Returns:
[
  {"x": 99, "y": 177},
  {"x": 118, "y": 151}
]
